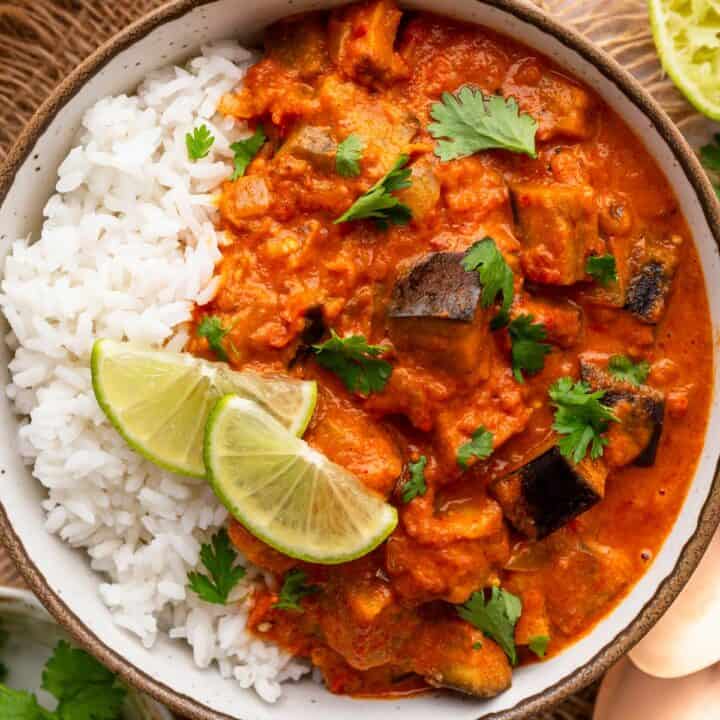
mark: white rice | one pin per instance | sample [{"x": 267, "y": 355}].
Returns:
[{"x": 127, "y": 246}]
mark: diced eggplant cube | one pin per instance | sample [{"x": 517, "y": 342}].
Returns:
[
  {"x": 300, "y": 44},
  {"x": 558, "y": 225},
  {"x": 640, "y": 410},
  {"x": 653, "y": 262},
  {"x": 313, "y": 144},
  {"x": 435, "y": 310},
  {"x": 548, "y": 492}
]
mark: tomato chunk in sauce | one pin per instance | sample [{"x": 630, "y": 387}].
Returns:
[{"x": 387, "y": 624}]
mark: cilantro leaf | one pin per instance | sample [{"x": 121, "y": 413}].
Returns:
[
  {"x": 479, "y": 446},
  {"x": 495, "y": 275},
  {"x": 211, "y": 328},
  {"x": 219, "y": 559},
  {"x": 710, "y": 158},
  {"x": 293, "y": 590},
  {"x": 602, "y": 269},
  {"x": 348, "y": 154},
  {"x": 623, "y": 368},
  {"x": 246, "y": 150},
  {"x": 199, "y": 142},
  {"x": 539, "y": 645},
  {"x": 415, "y": 485},
  {"x": 355, "y": 362},
  {"x": 528, "y": 352},
  {"x": 473, "y": 121},
  {"x": 496, "y": 617},
  {"x": 94, "y": 702},
  {"x": 581, "y": 418},
  {"x": 379, "y": 204},
  {"x": 21, "y": 705}
]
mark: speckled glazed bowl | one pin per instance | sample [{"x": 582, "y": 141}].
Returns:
[{"x": 62, "y": 577}]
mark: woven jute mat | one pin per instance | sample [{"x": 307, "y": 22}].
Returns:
[{"x": 41, "y": 41}]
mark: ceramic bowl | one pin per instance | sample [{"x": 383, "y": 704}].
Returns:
[{"x": 62, "y": 577}]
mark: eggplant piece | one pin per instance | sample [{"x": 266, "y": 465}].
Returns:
[
  {"x": 558, "y": 225},
  {"x": 313, "y": 144},
  {"x": 653, "y": 262},
  {"x": 435, "y": 310},
  {"x": 563, "y": 319},
  {"x": 613, "y": 295},
  {"x": 640, "y": 410},
  {"x": 548, "y": 492},
  {"x": 300, "y": 44}
]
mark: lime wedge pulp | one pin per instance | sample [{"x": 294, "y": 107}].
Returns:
[
  {"x": 159, "y": 401},
  {"x": 285, "y": 492},
  {"x": 687, "y": 36}
]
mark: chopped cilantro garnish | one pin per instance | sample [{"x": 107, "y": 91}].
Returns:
[
  {"x": 379, "y": 204},
  {"x": 219, "y": 560},
  {"x": 602, "y": 269},
  {"x": 528, "y": 352},
  {"x": 495, "y": 274},
  {"x": 623, "y": 368},
  {"x": 477, "y": 645},
  {"x": 710, "y": 158},
  {"x": 246, "y": 150},
  {"x": 199, "y": 142},
  {"x": 539, "y": 645},
  {"x": 581, "y": 418},
  {"x": 355, "y": 362},
  {"x": 479, "y": 446},
  {"x": 496, "y": 617},
  {"x": 415, "y": 485},
  {"x": 212, "y": 329},
  {"x": 472, "y": 122},
  {"x": 293, "y": 590},
  {"x": 348, "y": 155}
]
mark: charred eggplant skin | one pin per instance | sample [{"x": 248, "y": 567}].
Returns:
[{"x": 647, "y": 290}]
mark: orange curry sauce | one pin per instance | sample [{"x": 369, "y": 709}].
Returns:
[{"x": 385, "y": 624}]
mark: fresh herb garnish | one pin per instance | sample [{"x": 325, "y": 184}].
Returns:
[
  {"x": 479, "y": 446},
  {"x": 581, "y": 418},
  {"x": 246, "y": 150},
  {"x": 84, "y": 689},
  {"x": 219, "y": 560},
  {"x": 473, "y": 122},
  {"x": 496, "y": 617},
  {"x": 623, "y": 368},
  {"x": 379, "y": 204},
  {"x": 212, "y": 329},
  {"x": 348, "y": 155},
  {"x": 293, "y": 590},
  {"x": 355, "y": 362},
  {"x": 528, "y": 350},
  {"x": 415, "y": 485},
  {"x": 602, "y": 269},
  {"x": 477, "y": 645},
  {"x": 495, "y": 276},
  {"x": 710, "y": 158},
  {"x": 539, "y": 645},
  {"x": 199, "y": 142}
]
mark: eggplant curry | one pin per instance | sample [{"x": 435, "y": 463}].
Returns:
[{"x": 492, "y": 284}]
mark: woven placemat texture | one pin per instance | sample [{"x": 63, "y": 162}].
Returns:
[{"x": 41, "y": 41}]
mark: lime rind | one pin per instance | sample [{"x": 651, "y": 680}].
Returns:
[
  {"x": 286, "y": 493},
  {"x": 687, "y": 38}
]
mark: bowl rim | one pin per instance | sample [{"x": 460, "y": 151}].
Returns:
[{"x": 709, "y": 517}]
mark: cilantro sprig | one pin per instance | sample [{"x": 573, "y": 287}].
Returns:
[
  {"x": 415, "y": 485},
  {"x": 379, "y": 204},
  {"x": 219, "y": 560},
  {"x": 212, "y": 329},
  {"x": 539, "y": 645},
  {"x": 479, "y": 446},
  {"x": 710, "y": 158},
  {"x": 83, "y": 688},
  {"x": 581, "y": 418},
  {"x": 199, "y": 142},
  {"x": 495, "y": 616},
  {"x": 355, "y": 362},
  {"x": 245, "y": 150},
  {"x": 602, "y": 269},
  {"x": 293, "y": 590},
  {"x": 348, "y": 155},
  {"x": 528, "y": 350},
  {"x": 623, "y": 368},
  {"x": 472, "y": 121},
  {"x": 495, "y": 274}
]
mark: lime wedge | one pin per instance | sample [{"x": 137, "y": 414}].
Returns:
[
  {"x": 285, "y": 492},
  {"x": 159, "y": 401},
  {"x": 687, "y": 36}
]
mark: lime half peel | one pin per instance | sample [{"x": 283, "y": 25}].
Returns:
[
  {"x": 688, "y": 43},
  {"x": 287, "y": 494}
]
